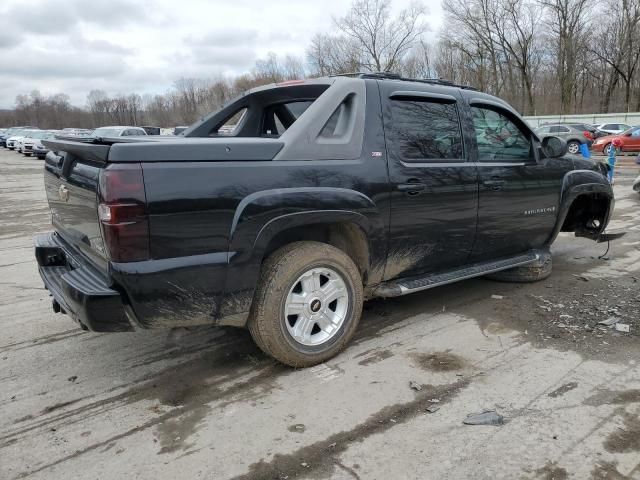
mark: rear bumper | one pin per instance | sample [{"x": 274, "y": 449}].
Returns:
[{"x": 79, "y": 290}]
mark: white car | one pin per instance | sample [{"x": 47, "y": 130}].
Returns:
[
  {"x": 613, "y": 128},
  {"x": 31, "y": 144},
  {"x": 15, "y": 142},
  {"x": 111, "y": 132},
  {"x": 11, "y": 141}
]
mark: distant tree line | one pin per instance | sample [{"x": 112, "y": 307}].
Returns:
[{"x": 542, "y": 56}]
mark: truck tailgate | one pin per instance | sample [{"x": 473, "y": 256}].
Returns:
[{"x": 71, "y": 174}]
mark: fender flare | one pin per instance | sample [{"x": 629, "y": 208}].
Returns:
[
  {"x": 254, "y": 218},
  {"x": 263, "y": 215}
]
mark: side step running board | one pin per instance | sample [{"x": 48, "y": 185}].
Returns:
[{"x": 405, "y": 286}]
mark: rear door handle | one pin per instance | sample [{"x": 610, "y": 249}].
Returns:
[
  {"x": 411, "y": 187},
  {"x": 494, "y": 184}
]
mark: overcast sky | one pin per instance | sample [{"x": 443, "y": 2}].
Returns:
[{"x": 124, "y": 46}]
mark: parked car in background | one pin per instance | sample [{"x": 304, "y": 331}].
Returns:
[
  {"x": 32, "y": 145},
  {"x": 630, "y": 141},
  {"x": 76, "y": 132},
  {"x": 613, "y": 128},
  {"x": 19, "y": 143},
  {"x": 13, "y": 141},
  {"x": 592, "y": 129},
  {"x": 6, "y": 134},
  {"x": 9, "y": 132},
  {"x": 111, "y": 132},
  {"x": 571, "y": 134},
  {"x": 152, "y": 130}
]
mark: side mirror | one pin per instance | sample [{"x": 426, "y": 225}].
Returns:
[{"x": 554, "y": 147}]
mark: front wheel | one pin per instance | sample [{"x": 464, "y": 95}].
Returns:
[
  {"x": 307, "y": 305},
  {"x": 573, "y": 147},
  {"x": 606, "y": 149},
  {"x": 532, "y": 272}
]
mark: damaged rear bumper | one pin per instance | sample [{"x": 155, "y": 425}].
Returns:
[{"x": 78, "y": 289}]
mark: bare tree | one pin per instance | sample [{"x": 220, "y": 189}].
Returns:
[
  {"x": 269, "y": 69},
  {"x": 516, "y": 24},
  {"x": 419, "y": 62},
  {"x": 382, "y": 39},
  {"x": 617, "y": 46},
  {"x": 569, "y": 22},
  {"x": 333, "y": 54}
]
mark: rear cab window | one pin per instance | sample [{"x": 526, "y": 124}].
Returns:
[{"x": 424, "y": 129}]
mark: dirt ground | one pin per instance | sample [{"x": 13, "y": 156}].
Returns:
[{"x": 207, "y": 404}]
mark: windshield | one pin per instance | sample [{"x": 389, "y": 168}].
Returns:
[
  {"x": 106, "y": 132},
  {"x": 37, "y": 135}
]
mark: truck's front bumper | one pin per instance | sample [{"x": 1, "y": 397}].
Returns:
[{"x": 78, "y": 289}]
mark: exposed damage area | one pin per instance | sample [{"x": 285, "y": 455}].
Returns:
[{"x": 588, "y": 215}]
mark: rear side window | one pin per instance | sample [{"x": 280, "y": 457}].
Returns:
[
  {"x": 426, "y": 130},
  {"x": 499, "y": 138},
  {"x": 560, "y": 129}
]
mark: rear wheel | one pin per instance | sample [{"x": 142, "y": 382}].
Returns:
[
  {"x": 573, "y": 147},
  {"x": 606, "y": 149},
  {"x": 307, "y": 305},
  {"x": 533, "y": 272}
]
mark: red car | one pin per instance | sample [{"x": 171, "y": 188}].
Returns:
[{"x": 629, "y": 140}]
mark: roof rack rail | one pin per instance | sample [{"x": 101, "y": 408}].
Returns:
[{"x": 397, "y": 76}]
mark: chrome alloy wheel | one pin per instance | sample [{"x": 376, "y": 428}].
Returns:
[
  {"x": 573, "y": 148},
  {"x": 316, "y": 306}
]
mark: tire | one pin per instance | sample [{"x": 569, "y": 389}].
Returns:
[
  {"x": 606, "y": 148},
  {"x": 281, "y": 289},
  {"x": 573, "y": 147},
  {"x": 27, "y": 154},
  {"x": 533, "y": 272}
]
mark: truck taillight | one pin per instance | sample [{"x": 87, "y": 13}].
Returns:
[{"x": 122, "y": 212}]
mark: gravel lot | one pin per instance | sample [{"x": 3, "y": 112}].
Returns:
[{"x": 207, "y": 404}]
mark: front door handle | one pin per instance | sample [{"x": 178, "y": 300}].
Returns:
[{"x": 494, "y": 185}]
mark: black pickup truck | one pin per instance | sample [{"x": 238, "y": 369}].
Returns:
[{"x": 295, "y": 202}]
